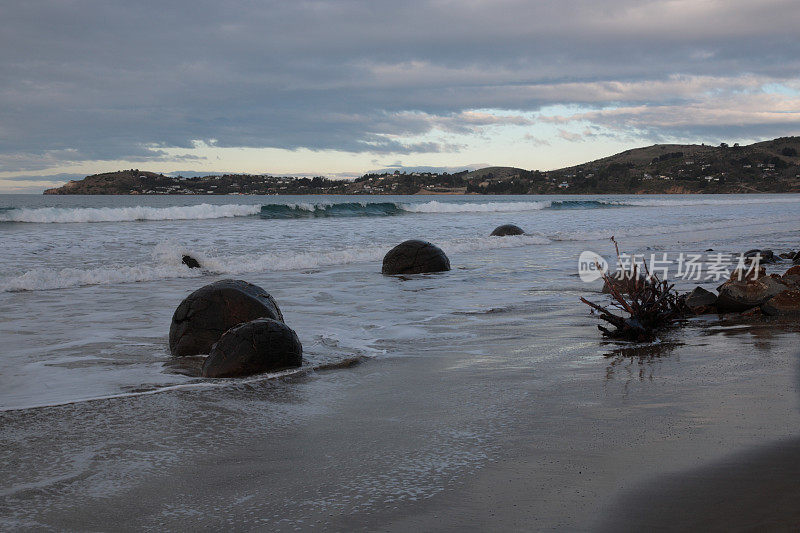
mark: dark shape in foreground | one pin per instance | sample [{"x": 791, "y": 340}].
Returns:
[
  {"x": 261, "y": 345},
  {"x": 207, "y": 313},
  {"x": 507, "y": 229},
  {"x": 415, "y": 257},
  {"x": 650, "y": 303},
  {"x": 190, "y": 261}
]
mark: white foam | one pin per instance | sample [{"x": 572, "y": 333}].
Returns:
[
  {"x": 469, "y": 207},
  {"x": 123, "y": 214},
  {"x": 166, "y": 263}
]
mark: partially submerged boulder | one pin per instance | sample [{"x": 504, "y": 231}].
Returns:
[
  {"x": 507, "y": 229},
  {"x": 765, "y": 256},
  {"x": 190, "y": 261},
  {"x": 415, "y": 257},
  {"x": 261, "y": 345},
  {"x": 701, "y": 301},
  {"x": 207, "y": 313},
  {"x": 785, "y": 303}
]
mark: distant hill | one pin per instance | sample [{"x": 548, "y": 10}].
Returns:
[{"x": 768, "y": 166}]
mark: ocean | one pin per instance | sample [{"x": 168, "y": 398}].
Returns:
[{"x": 94, "y": 417}]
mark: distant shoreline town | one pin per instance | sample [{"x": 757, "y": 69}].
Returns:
[{"x": 765, "y": 167}]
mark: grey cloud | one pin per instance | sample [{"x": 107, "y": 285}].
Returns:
[{"x": 126, "y": 80}]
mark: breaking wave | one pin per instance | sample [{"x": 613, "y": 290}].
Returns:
[
  {"x": 345, "y": 209},
  {"x": 123, "y": 214}
]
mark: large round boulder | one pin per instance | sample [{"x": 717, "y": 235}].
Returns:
[
  {"x": 415, "y": 257},
  {"x": 261, "y": 345},
  {"x": 507, "y": 229},
  {"x": 207, "y": 313}
]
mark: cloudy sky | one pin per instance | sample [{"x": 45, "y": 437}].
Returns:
[{"x": 342, "y": 87}]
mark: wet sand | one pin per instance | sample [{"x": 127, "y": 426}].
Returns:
[{"x": 501, "y": 427}]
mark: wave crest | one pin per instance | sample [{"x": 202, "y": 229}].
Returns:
[{"x": 123, "y": 214}]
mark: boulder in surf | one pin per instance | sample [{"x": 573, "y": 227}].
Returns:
[
  {"x": 507, "y": 229},
  {"x": 258, "y": 346},
  {"x": 190, "y": 261},
  {"x": 415, "y": 257},
  {"x": 207, "y": 313}
]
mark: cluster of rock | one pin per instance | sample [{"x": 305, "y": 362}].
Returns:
[
  {"x": 752, "y": 291},
  {"x": 239, "y": 325},
  {"x": 241, "y": 328}
]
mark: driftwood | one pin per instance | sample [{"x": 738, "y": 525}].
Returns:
[{"x": 651, "y": 304}]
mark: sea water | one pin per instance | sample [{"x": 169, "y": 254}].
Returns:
[{"x": 88, "y": 284}]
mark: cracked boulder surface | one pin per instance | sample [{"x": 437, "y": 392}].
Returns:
[
  {"x": 254, "y": 347},
  {"x": 207, "y": 313},
  {"x": 415, "y": 257},
  {"x": 507, "y": 229}
]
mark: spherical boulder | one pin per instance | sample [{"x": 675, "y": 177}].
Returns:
[
  {"x": 507, "y": 229},
  {"x": 415, "y": 257},
  {"x": 207, "y": 313},
  {"x": 261, "y": 345}
]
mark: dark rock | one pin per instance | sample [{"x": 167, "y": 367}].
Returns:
[
  {"x": 785, "y": 303},
  {"x": 257, "y": 346},
  {"x": 744, "y": 295},
  {"x": 743, "y": 274},
  {"x": 701, "y": 301},
  {"x": 796, "y": 258},
  {"x": 787, "y": 255},
  {"x": 415, "y": 257},
  {"x": 709, "y": 250},
  {"x": 792, "y": 276},
  {"x": 190, "y": 261},
  {"x": 507, "y": 229},
  {"x": 766, "y": 256},
  {"x": 207, "y": 313}
]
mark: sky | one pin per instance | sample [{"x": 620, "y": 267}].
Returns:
[{"x": 339, "y": 88}]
